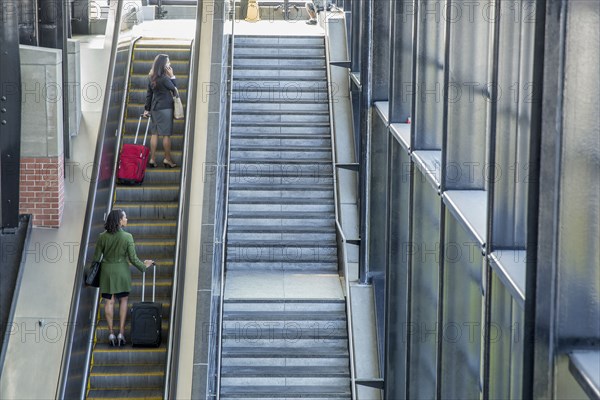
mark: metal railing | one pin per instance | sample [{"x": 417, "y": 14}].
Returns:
[
  {"x": 340, "y": 236},
  {"x": 23, "y": 220},
  {"x": 219, "y": 338}
]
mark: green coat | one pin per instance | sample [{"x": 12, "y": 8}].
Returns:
[{"x": 117, "y": 248}]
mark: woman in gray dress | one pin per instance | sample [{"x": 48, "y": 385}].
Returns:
[{"x": 159, "y": 106}]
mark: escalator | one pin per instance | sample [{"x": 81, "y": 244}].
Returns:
[{"x": 152, "y": 212}]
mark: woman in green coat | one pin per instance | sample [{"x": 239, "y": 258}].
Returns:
[{"x": 116, "y": 248}]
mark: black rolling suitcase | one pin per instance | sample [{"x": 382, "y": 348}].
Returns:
[{"x": 146, "y": 318}]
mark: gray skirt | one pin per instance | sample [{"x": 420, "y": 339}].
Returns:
[{"x": 161, "y": 122}]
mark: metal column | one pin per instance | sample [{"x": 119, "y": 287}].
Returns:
[
  {"x": 10, "y": 116},
  {"x": 54, "y": 21}
]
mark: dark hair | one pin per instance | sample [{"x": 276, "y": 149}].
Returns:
[
  {"x": 113, "y": 221},
  {"x": 158, "y": 68}
]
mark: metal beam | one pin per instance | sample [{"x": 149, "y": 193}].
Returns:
[
  {"x": 54, "y": 21},
  {"x": 10, "y": 116}
]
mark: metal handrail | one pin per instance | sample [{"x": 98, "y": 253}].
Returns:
[
  {"x": 339, "y": 231},
  {"x": 181, "y": 236},
  {"x": 226, "y": 210},
  {"x": 13, "y": 304},
  {"x": 342, "y": 248}
]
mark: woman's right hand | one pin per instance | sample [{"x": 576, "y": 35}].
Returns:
[
  {"x": 148, "y": 263},
  {"x": 146, "y": 114}
]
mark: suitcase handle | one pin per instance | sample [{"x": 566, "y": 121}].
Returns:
[
  {"x": 153, "y": 283},
  {"x": 137, "y": 130}
]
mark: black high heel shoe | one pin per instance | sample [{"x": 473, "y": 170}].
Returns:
[
  {"x": 152, "y": 164},
  {"x": 169, "y": 164}
]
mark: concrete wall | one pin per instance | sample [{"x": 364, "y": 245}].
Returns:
[{"x": 42, "y": 151}]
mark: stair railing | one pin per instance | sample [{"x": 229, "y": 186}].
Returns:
[
  {"x": 223, "y": 253},
  {"x": 173, "y": 345},
  {"x": 341, "y": 239},
  {"x": 79, "y": 335}
]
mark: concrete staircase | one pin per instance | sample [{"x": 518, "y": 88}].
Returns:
[{"x": 281, "y": 220}]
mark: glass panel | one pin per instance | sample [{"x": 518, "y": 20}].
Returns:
[
  {"x": 461, "y": 329},
  {"x": 397, "y": 279},
  {"x": 424, "y": 301}
]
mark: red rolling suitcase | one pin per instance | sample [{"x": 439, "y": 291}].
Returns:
[
  {"x": 133, "y": 159},
  {"x": 146, "y": 318}
]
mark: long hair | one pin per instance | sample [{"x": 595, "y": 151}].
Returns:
[
  {"x": 113, "y": 221},
  {"x": 158, "y": 68}
]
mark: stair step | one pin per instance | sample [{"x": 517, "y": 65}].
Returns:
[
  {"x": 280, "y": 132},
  {"x": 296, "y": 260},
  {"x": 127, "y": 376},
  {"x": 279, "y": 136},
  {"x": 176, "y": 139},
  {"x": 285, "y": 371},
  {"x": 302, "y": 224},
  {"x": 147, "y": 192},
  {"x": 338, "y": 362},
  {"x": 106, "y": 355},
  {"x": 247, "y": 160},
  {"x": 305, "y": 78},
  {"x": 129, "y": 394},
  {"x": 282, "y": 187},
  {"x": 288, "y": 173},
  {"x": 284, "y": 316},
  {"x": 279, "y": 52},
  {"x": 316, "y": 352},
  {"x": 285, "y": 108},
  {"x": 264, "y": 391},
  {"x": 281, "y": 215},
  {"x": 280, "y": 148},
  {"x": 165, "y": 210},
  {"x": 272, "y": 179},
  {"x": 163, "y": 228},
  {"x": 102, "y": 335},
  {"x": 290, "y": 333},
  {"x": 316, "y": 267},
  {"x": 279, "y": 201},
  {"x": 281, "y": 229},
  {"x": 283, "y": 120},
  {"x": 278, "y": 40}
]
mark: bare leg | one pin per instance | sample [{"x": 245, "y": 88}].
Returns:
[
  {"x": 108, "y": 312},
  {"x": 153, "y": 144},
  {"x": 123, "y": 314},
  {"x": 167, "y": 148}
]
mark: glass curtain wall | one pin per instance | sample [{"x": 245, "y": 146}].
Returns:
[{"x": 453, "y": 188}]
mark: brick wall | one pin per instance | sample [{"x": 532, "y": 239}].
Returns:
[{"x": 42, "y": 190}]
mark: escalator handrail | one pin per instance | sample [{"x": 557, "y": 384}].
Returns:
[
  {"x": 170, "y": 380},
  {"x": 86, "y": 231}
]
